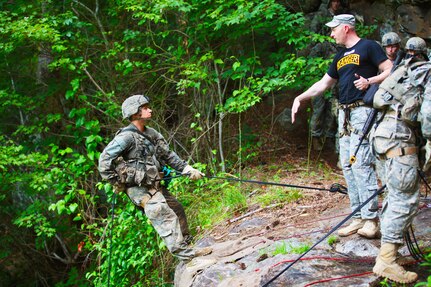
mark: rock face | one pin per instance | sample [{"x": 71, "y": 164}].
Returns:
[
  {"x": 256, "y": 258},
  {"x": 407, "y": 18}
]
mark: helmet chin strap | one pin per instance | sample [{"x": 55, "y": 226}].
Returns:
[{"x": 417, "y": 56}]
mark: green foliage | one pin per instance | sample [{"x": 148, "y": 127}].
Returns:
[
  {"x": 73, "y": 279},
  {"x": 275, "y": 195},
  {"x": 299, "y": 249},
  {"x": 210, "y": 202},
  {"x": 426, "y": 263},
  {"x": 365, "y": 30},
  {"x": 280, "y": 249},
  {"x": 66, "y": 68},
  {"x": 332, "y": 240},
  {"x": 285, "y": 248},
  {"x": 130, "y": 246}
]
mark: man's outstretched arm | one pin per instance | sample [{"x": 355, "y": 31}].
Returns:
[{"x": 316, "y": 89}]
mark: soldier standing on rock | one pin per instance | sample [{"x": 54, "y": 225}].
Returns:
[
  {"x": 133, "y": 162},
  {"x": 404, "y": 99},
  {"x": 355, "y": 67}
]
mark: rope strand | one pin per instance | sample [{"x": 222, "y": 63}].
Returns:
[{"x": 377, "y": 192}]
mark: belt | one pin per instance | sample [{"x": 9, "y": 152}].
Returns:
[
  {"x": 398, "y": 152},
  {"x": 347, "y": 127},
  {"x": 351, "y": 105}
]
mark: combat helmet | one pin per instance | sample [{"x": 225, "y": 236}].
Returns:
[
  {"x": 390, "y": 38},
  {"x": 131, "y": 105},
  {"x": 416, "y": 44}
]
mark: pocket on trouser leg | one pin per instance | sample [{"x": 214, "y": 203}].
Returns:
[
  {"x": 403, "y": 176},
  {"x": 162, "y": 217},
  {"x": 138, "y": 195}
]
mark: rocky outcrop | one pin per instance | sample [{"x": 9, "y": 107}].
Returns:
[
  {"x": 250, "y": 255},
  {"x": 407, "y": 18}
]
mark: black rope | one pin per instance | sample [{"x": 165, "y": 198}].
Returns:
[
  {"x": 377, "y": 192},
  {"x": 422, "y": 176},
  {"x": 336, "y": 187},
  {"x": 412, "y": 245},
  {"x": 110, "y": 238},
  {"x": 267, "y": 183},
  {"x": 409, "y": 235}
]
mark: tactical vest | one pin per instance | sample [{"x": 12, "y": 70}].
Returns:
[
  {"x": 406, "y": 100},
  {"x": 141, "y": 164}
]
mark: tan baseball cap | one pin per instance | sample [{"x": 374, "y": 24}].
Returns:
[{"x": 341, "y": 19}]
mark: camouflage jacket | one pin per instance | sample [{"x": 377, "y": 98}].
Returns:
[
  {"x": 425, "y": 112},
  {"x": 144, "y": 154},
  {"x": 407, "y": 91}
]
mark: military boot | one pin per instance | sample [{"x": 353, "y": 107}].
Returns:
[
  {"x": 203, "y": 251},
  {"x": 388, "y": 268},
  {"x": 370, "y": 229},
  {"x": 352, "y": 228}
]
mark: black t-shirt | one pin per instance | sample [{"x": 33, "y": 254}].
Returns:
[{"x": 363, "y": 59}]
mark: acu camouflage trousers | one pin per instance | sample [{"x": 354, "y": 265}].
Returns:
[
  {"x": 360, "y": 177},
  {"x": 400, "y": 173},
  {"x": 164, "y": 219}
]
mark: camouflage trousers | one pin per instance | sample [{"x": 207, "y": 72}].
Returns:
[
  {"x": 323, "y": 121},
  {"x": 164, "y": 220},
  {"x": 400, "y": 173},
  {"x": 360, "y": 177}
]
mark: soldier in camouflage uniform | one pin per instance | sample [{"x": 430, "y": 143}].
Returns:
[
  {"x": 133, "y": 161},
  {"x": 391, "y": 43},
  {"x": 325, "y": 14},
  {"x": 323, "y": 122},
  {"x": 355, "y": 67},
  {"x": 404, "y": 100}
]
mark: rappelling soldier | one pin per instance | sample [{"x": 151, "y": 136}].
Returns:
[
  {"x": 132, "y": 162},
  {"x": 404, "y": 122}
]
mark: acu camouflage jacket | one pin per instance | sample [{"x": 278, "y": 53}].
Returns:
[{"x": 144, "y": 153}]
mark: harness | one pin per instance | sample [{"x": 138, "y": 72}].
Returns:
[
  {"x": 402, "y": 102},
  {"x": 347, "y": 127},
  {"x": 141, "y": 166},
  {"x": 393, "y": 94}
]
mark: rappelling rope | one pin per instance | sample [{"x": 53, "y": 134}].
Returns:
[
  {"x": 422, "y": 176},
  {"x": 110, "y": 238},
  {"x": 409, "y": 235},
  {"x": 339, "y": 278},
  {"x": 377, "y": 192},
  {"x": 412, "y": 245},
  {"x": 335, "y": 187}
]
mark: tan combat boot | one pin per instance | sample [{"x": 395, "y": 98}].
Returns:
[
  {"x": 370, "y": 229},
  {"x": 388, "y": 268},
  {"x": 352, "y": 228}
]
